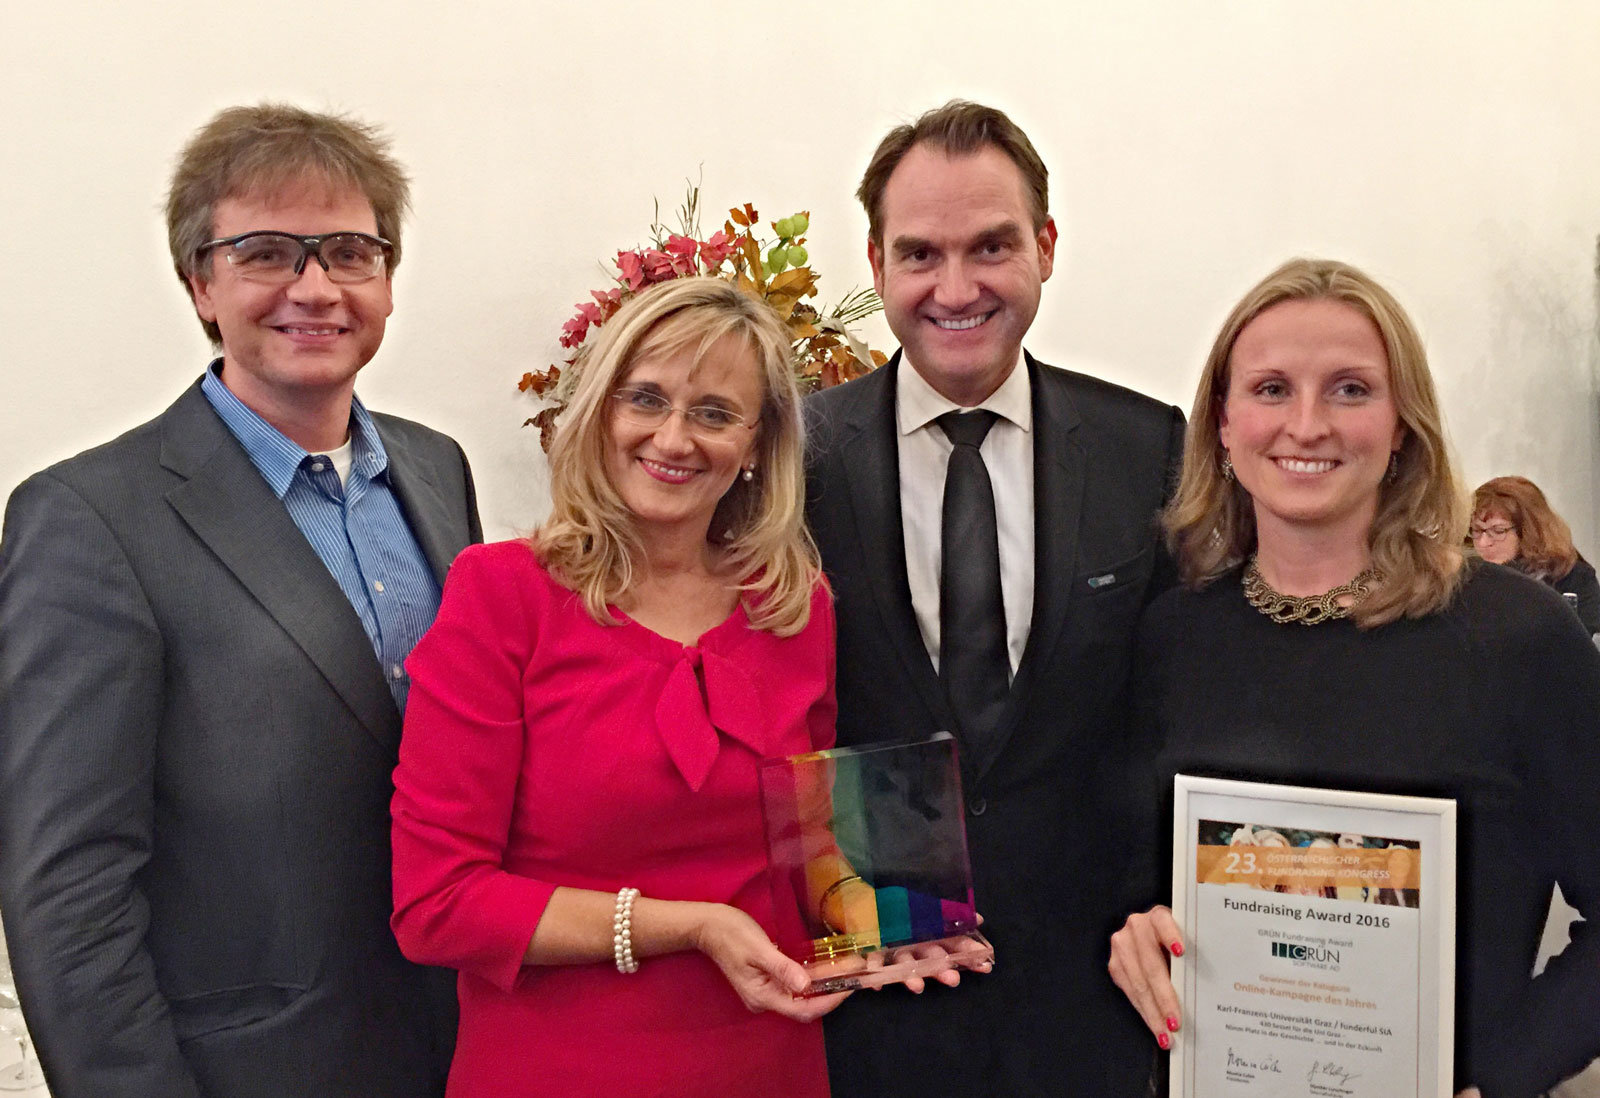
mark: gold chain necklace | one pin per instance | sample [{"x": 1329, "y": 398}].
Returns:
[{"x": 1305, "y": 609}]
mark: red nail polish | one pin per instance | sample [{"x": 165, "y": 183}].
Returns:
[
  {"x": 1172, "y": 1023},
  {"x": 1176, "y": 949},
  {"x": 1163, "y": 1040}
]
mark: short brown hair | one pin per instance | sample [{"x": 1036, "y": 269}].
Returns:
[
  {"x": 1416, "y": 535},
  {"x": 959, "y": 128},
  {"x": 272, "y": 148},
  {"x": 1544, "y": 540}
]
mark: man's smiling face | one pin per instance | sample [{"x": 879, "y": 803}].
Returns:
[
  {"x": 306, "y": 339},
  {"x": 960, "y": 266}
]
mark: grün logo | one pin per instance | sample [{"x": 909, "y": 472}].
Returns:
[{"x": 1294, "y": 952}]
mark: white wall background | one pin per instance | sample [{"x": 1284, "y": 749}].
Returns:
[{"x": 1451, "y": 148}]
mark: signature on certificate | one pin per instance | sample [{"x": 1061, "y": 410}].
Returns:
[
  {"x": 1326, "y": 1071},
  {"x": 1267, "y": 1066}
]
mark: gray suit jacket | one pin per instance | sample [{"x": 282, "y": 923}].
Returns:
[
  {"x": 1042, "y": 798},
  {"x": 196, "y": 744}
]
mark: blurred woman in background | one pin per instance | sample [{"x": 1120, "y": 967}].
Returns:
[{"x": 1512, "y": 523}]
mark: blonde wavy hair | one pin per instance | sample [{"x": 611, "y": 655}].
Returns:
[
  {"x": 591, "y": 542},
  {"x": 1416, "y": 535}
]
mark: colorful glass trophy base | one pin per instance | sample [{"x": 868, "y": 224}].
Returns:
[
  {"x": 854, "y": 967},
  {"x": 867, "y": 850}
]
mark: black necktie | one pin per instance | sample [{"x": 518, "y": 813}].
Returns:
[{"x": 973, "y": 663}]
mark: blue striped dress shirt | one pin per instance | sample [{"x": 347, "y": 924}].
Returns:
[{"x": 357, "y": 528}]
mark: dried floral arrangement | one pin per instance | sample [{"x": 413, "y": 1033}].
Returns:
[{"x": 777, "y": 270}]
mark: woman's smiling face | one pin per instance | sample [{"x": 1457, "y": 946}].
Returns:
[
  {"x": 672, "y": 475},
  {"x": 1309, "y": 419}
]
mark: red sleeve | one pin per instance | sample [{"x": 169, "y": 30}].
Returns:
[
  {"x": 824, "y": 713},
  {"x": 460, "y": 757}
]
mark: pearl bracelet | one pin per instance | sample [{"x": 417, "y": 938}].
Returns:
[{"x": 622, "y": 931}]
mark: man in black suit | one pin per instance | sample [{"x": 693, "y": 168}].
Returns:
[
  {"x": 203, "y": 625},
  {"x": 1001, "y": 607}
]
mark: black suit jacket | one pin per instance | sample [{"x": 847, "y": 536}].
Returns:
[
  {"x": 196, "y": 744},
  {"x": 1043, "y": 825}
]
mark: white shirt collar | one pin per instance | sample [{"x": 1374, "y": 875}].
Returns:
[{"x": 918, "y": 404}]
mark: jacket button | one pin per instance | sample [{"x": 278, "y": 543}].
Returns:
[{"x": 977, "y": 806}]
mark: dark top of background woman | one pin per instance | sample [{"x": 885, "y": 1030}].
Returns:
[{"x": 1581, "y": 581}]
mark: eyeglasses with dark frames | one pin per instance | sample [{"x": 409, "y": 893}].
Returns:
[{"x": 267, "y": 255}]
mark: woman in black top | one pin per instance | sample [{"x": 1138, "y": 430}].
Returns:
[
  {"x": 1513, "y": 524},
  {"x": 1316, "y": 491}
]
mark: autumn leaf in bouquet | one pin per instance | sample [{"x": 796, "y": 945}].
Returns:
[{"x": 775, "y": 269}]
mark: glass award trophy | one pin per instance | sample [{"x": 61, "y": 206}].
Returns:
[{"x": 867, "y": 854}]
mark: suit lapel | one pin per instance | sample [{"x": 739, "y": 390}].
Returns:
[
  {"x": 230, "y": 508},
  {"x": 1058, "y": 485},
  {"x": 870, "y": 459},
  {"x": 426, "y": 511}
]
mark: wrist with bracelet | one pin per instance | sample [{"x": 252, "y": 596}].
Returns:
[
  {"x": 822, "y": 903},
  {"x": 622, "y": 931}
]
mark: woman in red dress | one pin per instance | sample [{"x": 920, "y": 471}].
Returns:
[{"x": 577, "y": 826}]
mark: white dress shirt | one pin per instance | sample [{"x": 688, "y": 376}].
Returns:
[{"x": 1008, "y": 453}]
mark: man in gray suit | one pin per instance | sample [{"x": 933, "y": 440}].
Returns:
[{"x": 202, "y": 632}]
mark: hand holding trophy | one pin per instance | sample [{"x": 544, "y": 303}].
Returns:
[{"x": 868, "y": 855}]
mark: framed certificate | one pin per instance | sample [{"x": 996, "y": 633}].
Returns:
[{"x": 1322, "y": 933}]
